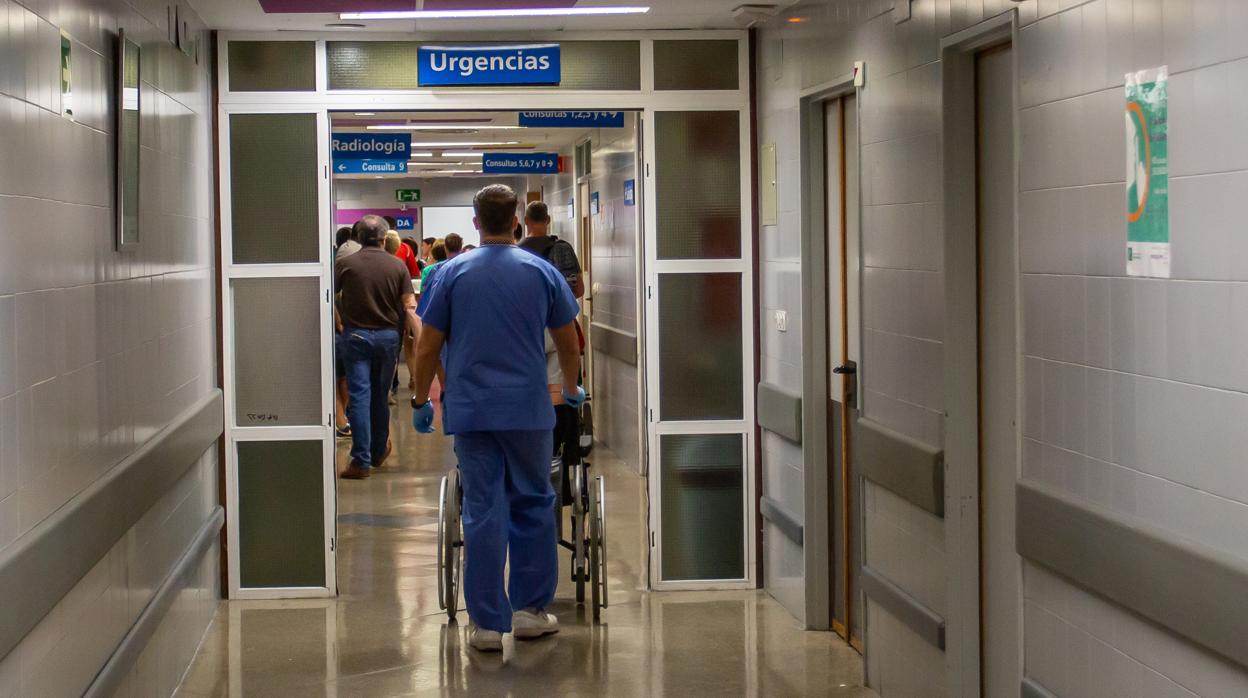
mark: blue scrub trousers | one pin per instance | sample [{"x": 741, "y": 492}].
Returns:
[
  {"x": 369, "y": 358},
  {"x": 508, "y": 503}
]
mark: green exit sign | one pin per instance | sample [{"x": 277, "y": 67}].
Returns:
[{"x": 407, "y": 196}]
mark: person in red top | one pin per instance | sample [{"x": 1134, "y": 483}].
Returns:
[{"x": 408, "y": 257}]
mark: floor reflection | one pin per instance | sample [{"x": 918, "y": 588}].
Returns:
[{"x": 384, "y": 634}]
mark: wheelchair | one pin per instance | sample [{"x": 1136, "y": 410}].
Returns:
[{"x": 586, "y": 540}]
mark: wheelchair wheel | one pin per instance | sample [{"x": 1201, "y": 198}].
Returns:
[
  {"x": 598, "y": 546},
  {"x": 579, "y": 496},
  {"x": 450, "y": 545}
]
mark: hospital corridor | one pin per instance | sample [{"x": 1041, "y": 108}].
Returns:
[{"x": 695, "y": 348}]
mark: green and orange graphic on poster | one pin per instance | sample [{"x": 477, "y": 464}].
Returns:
[{"x": 1148, "y": 173}]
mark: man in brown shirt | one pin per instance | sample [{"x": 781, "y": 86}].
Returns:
[{"x": 375, "y": 304}]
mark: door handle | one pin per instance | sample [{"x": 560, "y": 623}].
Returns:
[{"x": 845, "y": 370}]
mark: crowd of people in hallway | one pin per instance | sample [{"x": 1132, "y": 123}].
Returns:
[{"x": 497, "y": 330}]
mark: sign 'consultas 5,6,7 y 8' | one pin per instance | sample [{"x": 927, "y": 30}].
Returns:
[{"x": 489, "y": 65}]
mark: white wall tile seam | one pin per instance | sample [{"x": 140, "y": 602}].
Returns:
[
  {"x": 1170, "y": 282},
  {"x": 906, "y": 402},
  {"x": 1132, "y": 374},
  {"x": 1089, "y": 185},
  {"x": 1143, "y": 473}
]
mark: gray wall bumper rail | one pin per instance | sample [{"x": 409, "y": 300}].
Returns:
[
  {"x": 1030, "y": 688},
  {"x": 614, "y": 343},
  {"x": 1191, "y": 589},
  {"x": 906, "y": 467},
  {"x": 922, "y": 620},
  {"x": 132, "y": 645},
  {"x": 788, "y": 524},
  {"x": 779, "y": 411},
  {"x": 42, "y": 566}
]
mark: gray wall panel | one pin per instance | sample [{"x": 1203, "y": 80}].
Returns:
[
  {"x": 779, "y": 411},
  {"x": 910, "y": 469},
  {"x": 1194, "y": 590}
]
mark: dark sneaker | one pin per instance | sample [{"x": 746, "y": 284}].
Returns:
[{"x": 355, "y": 472}]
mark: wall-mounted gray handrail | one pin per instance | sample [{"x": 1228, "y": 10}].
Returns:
[
  {"x": 1030, "y": 688},
  {"x": 925, "y": 622},
  {"x": 614, "y": 342},
  {"x": 780, "y": 517},
  {"x": 906, "y": 467},
  {"x": 40, "y": 568},
  {"x": 779, "y": 411},
  {"x": 123, "y": 659},
  {"x": 1188, "y": 588}
]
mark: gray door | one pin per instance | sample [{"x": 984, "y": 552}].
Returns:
[{"x": 998, "y": 370}]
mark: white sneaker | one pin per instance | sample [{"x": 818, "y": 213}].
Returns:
[
  {"x": 533, "y": 622},
  {"x": 484, "y": 640}
]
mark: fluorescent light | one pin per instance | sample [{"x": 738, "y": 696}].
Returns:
[
  {"x": 501, "y": 12},
  {"x": 366, "y": 113},
  {"x": 422, "y": 155},
  {"x": 439, "y": 127}
]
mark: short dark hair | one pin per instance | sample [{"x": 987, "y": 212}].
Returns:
[
  {"x": 537, "y": 211},
  {"x": 454, "y": 243},
  {"x": 429, "y": 241},
  {"x": 495, "y": 207},
  {"x": 392, "y": 222},
  {"x": 370, "y": 231},
  {"x": 518, "y": 233},
  {"x": 344, "y": 234}
]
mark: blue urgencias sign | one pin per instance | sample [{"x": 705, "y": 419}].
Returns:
[
  {"x": 520, "y": 163},
  {"x": 572, "y": 119},
  {"x": 489, "y": 65},
  {"x": 370, "y": 166},
  {"x": 371, "y": 146}
]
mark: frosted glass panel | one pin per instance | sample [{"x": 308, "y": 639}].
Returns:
[
  {"x": 696, "y": 65},
  {"x": 274, "y": 188},
  {"x": 698, "y": 184},
  {"x": 702, "y": 500},
  {"x": 281, "y": 514},
  {"x": 272, "y": 66},
  {"x": 700, "y": 347},
  {"x": 277, "y": 357}
]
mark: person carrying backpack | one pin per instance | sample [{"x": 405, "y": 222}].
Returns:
[{"x": 550, "y": 248}]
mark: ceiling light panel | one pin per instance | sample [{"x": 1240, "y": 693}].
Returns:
[{"x": 501, "y": 12}]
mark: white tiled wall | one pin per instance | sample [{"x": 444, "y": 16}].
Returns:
[
  {"x": 99, "y": 350},
  {"x": 614, "y": 258},
  {"x": 1134, "y": 390}
]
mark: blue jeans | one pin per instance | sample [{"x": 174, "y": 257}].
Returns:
[
  {"x": 369, "y": 357},
  {"x": 508, "y": 505}
]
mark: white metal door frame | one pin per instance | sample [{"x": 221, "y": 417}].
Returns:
[
  {"x": 646, "y": 101},
  {"x": 658, "y": 428},
  {"x": 235, "y": 433}
]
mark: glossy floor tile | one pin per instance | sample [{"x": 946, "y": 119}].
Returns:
[{"x": 384, "y": 635}]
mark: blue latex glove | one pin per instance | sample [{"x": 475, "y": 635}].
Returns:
[
  {"x": 574, "y": 401},
  {"x": 422, "y": 417}
]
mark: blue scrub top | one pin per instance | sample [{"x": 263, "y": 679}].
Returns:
[{"x": 494, "y": 306}]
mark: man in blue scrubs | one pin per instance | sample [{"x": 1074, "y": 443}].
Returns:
[{"x": 486, "y": 318}]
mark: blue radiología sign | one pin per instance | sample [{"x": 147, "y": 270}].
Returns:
[
  {"x": 520, "y": 163},
  {"x": 630, "y": 192},
  {"x": 370, "y": 167},
  {"x": 371, "y": 146},
  {"x": 572, "y": 119},
  {"x": 488, "y": 65}
]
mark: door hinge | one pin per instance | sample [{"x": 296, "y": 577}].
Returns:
[
  {"x": 652, "y": 416},
  {"x": 333, "y": 544},
  {"x": 326, "y": 295},
  {"x": 652, "y": 539},
  {"x": 650, "y": 292},
  {"x": 647, "y": 169}
]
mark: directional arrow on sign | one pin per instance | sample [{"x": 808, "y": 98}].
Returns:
[{"x": 342, "y": 167}]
